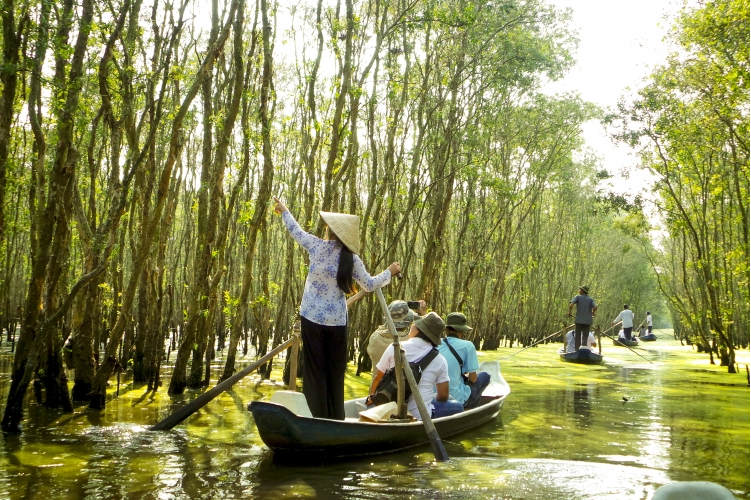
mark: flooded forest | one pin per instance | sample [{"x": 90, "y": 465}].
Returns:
[{"x": 142, "y": 143}]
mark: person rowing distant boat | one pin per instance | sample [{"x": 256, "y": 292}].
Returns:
[
  {"x": 627, "y": 318},
  {"x": 585, "y": 313}
]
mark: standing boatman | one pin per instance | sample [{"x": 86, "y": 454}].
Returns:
[
  {"x": 585, "y": 313},
  {"x": 627, "y": 317}
]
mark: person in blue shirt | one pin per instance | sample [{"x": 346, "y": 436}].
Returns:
[{"x": 466, "y": 383}]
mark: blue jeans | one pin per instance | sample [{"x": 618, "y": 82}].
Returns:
[
  {"x": 483, "y": 379},
  {"x": 446, "y": 408}
]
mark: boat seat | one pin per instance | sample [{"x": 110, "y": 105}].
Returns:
[
  {"x": 293, "y": 401},
  {"x": 498, "y": 386}
]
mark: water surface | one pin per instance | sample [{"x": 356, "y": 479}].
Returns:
[{"x": 617, "y": 431}]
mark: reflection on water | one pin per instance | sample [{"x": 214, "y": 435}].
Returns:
[
  {"x": 581, "y": 406},
  {"x": 567, "y": 431}
]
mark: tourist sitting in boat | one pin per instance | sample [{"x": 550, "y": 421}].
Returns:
[
  {"x": 424, "y": 335},
  {"x": 571, "y": 346},
  {"x": 466, "y": 384},
  {"x": 380, "y": 339}
]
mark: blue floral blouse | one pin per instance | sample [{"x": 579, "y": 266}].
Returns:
[{"x": 323, "y": 302}]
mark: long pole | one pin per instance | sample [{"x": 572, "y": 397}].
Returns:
[
  {"x": 401, "y": 404},
  {"x": 600, "y": 334},
  {"x": 435, "y": 440},
  {"x": 624, "y": 345},
  {"x": 542, "y": 340},
  {"x": 293, "y": 357},
  {"x": 400, "y": 358},
  {"x": 638, "y": 328},
  {"x": 356, "y": 297},
  {"x": 185, "y": 411}
]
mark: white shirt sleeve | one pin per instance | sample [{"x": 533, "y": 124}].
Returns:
[
  {"x": 387, "y": 359},
  {"x": 366, "y": 281},
  {"x": 306, "y": 240}
]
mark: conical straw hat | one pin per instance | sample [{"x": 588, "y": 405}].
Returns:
[{"x": 346, "y": 227}]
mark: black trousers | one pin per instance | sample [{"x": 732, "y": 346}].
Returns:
[
  {"x": 627, "y": 332},
  {"x": 325, "y": 355},
  {"x": 581, "y": 335}
]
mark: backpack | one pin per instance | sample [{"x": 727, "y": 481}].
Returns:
[{"x": 386, "y": 390}]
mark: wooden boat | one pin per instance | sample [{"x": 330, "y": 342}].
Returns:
[
  {"x": 583, "y": 356},
  {"x": 294, "y": 434},
  {"x": 650, "y": 337},
  {"x": 625, "y": 342}
]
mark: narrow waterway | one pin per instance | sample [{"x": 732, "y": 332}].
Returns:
[{"x": 567, "y": 431}]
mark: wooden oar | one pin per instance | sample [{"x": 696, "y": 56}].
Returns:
[
  {"x": 608, "y": 329},
  {"x": 400, "y": 358},
  {"x": 356, "y": 297},
  {"x": 638, "y": 328},
  {"x": 599, "y": 335},
  {"x": 542, "y": 340},
  {"x": 185, "y": 411},
  {"x": 624, "y": 345}
]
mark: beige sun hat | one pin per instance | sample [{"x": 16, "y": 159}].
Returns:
[{"x": 346, "y": 227}]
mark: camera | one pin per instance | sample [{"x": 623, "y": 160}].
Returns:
[{"x": 413, "y": 304}]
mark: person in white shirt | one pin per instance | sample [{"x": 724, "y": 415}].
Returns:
[
  {"x": 649, "y": 322},
  {"x": 571, "y": 346},
  {"x": 402, "y": 316},
  {"x": 424, "y": 335},
  {"x": 627, "y": 317}
]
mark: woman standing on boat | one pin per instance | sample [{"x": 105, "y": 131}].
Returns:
[{"x": 334, "y": 264}]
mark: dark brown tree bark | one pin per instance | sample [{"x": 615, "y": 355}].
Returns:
[
  {"x": 212, "y": 237},
  {"x": 12, "y": 36},
  {"x": 264, "y": 194},
  {"x": 39, "y": 323},
  {"x": 108, "y": 364}
]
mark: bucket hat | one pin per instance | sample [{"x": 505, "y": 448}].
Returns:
[
  {"x": 346, "y": 227},
  {"x": 431, "y": 325},
  {"x": 457, "y": 321},
  {"x": 585, "y": 289},
  {"x": 401, "y": 314}
]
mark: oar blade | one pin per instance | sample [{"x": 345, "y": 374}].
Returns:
[{"x": 438, "y": 450}]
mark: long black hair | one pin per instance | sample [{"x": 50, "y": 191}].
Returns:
[{"x": 344, "y": 271}]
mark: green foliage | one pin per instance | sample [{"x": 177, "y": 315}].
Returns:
[{"x": 690, "y": 123}]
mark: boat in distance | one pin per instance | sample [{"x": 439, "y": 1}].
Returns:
[
  {"x": 624, "y": 342},
  {"x": 295, "y": 434},
  {"x": 582, "y": 356}
]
